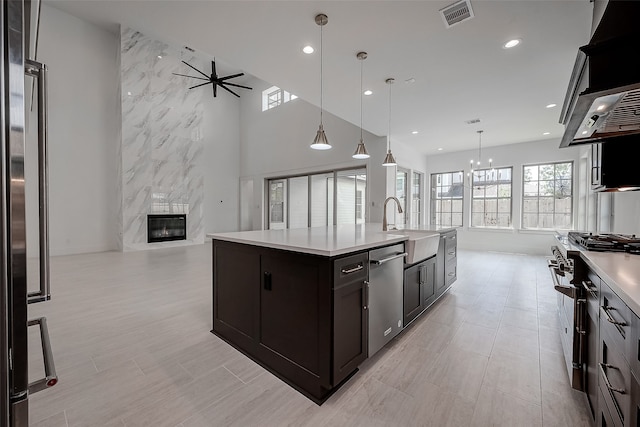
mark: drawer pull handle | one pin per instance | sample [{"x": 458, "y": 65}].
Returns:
[
  {"x": 586, "y": 285},
  {"x": 352, "y": 270},
  {"x": 610, "y": 319},
  {"x": 452, "y": 253},
  {"x": 451, "y": 274},
  {"x": 391, "y": 258},
  {"x": 606, "y": 380}
]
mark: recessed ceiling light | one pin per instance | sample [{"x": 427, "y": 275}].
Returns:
[
  {"x": 159, "y": 56},
  {"x": 368, "y": 92},
  {"x": 129, "y": 93},
  {"x": 546, "y": 133},
  {"x": 551, "y": 105},
  {"x": 440, "y": 149},
  {"x": 415, "y": 132},
  {"x": 584, "y": 132},
  {"x": 601, "y": 107},
  {"x": 511, "y": 43},
  {"x": 308, "y": 50}
]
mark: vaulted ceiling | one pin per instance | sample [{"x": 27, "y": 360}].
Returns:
[{"x": 444, "y": 76}]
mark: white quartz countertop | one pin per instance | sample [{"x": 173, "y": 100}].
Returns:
[
  {"x": 325, "y": 241},
  {"x": 621, "y": 271}
]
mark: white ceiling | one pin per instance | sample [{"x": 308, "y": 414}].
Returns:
[{"x": 461, "y": 73}]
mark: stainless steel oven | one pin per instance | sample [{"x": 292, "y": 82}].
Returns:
[{"x": 571, "y": 311}]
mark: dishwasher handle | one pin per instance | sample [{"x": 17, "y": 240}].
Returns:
[{"x": 387, "y": 259}]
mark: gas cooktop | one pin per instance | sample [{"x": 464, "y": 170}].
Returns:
[{"x": 608, "y": 242}]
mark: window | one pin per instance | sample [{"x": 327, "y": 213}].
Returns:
[
  {"x": 321, "y": 199},
  {"x": 447, "y": 191},
  {"x": 491, "y": 198},
  {"x": 416, "y": 199},
  {"x": 401, "y": 194},
  {"x": 274, "y": 96},
  {"x": 547, "y": 196}
]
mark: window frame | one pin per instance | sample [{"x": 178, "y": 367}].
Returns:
[
  {"x": 473, "y": 184},
  {"x": 330, "y": 203},
  {"x": 433, "y": 212},
  {"x": 571, "y": 212}
]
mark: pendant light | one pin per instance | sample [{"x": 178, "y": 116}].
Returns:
[
  {"x": 361, "y": 151},
  {"x": 389, "y": 160},
  {"x": 320, "y": 142},
  {"x": 491, "y": 172}
]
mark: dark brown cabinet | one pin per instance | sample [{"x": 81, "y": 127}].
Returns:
[
  {"x": 446, "y": 264},
  {"x": 301, "y": 316},
  {"x": 419, "y": 288}
]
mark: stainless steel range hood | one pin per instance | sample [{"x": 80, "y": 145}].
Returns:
[{"x": 603, "y": 98}]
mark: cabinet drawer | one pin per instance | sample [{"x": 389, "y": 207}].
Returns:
[
  {"x": 634, "y": 412},
  {"x": 615, "y": 378},
  {"x": 592, "y": 292},
  {"x": 350, "y": 268},
  {"x": 450, "y": 246},
  {"x": 604, "y": 418},
  {"x": 634, "y": 345},
  {"x": 450, "y": 272},
  {"x": 615, "y": 319}
]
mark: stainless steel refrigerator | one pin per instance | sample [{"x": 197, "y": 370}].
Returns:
[{"x": 22, "y": 83}]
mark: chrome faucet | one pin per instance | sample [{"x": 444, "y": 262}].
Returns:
[{"x": 384, "y": 215}]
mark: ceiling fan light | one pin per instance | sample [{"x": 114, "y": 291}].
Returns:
[
  {"x": 361, "y": 151},
  {"x": 320, "y": 141},
  {"x": 389, "y": 160}
]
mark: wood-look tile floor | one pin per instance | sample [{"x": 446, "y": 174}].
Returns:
[{"x": 131, "y": 341}]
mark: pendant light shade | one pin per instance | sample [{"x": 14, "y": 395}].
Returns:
[
  {"x": 389, "y": 160},
  {"x": 320, "y": 142},
  {"x": 361, "y": 150}
]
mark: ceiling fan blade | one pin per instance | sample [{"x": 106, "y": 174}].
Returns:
[
  {"x": 213, "y": 69},
  {"x": 233, "y": 84},
  {"x": 215, "y": 90},
  {"x": 189, "y": 65},
  {"x": 228, "y": 90},
  {"x": 193, "y": 77},
  {"x": 202, "y": 84},
  {"x": 231, "y": 76}
]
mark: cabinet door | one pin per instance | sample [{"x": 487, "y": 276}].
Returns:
[
  {"x": 429, "y": 282},
  {"x": 414, "y": 278},
  {"x": 236, "y": 273},
  {"x": 615, "y": 378},
  {"x": 349, "y": 329},
  {"x": 440, "y": 266},
  {"x": 635, "y": 402},
  {"x": 289, "y": 308},
  {"x": 591, "y": 371}
]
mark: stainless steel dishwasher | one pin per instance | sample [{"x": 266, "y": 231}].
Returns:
[{"x": 385, "y": 295}]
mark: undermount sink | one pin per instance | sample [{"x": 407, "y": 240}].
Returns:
[{"x": 421, "y": 244}]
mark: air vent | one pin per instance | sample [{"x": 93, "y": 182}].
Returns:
[
  {"x": 456, "y": 13},
  {"x": 472, "y": 121}
]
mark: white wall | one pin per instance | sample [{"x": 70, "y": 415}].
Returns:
[
  {"x": 276, "y": 143},
  {"x": 83, "y": 132},
  {"x": 513, "y": 240}
]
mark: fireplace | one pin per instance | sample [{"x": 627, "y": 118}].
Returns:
[{"x": 166, "y": 227}]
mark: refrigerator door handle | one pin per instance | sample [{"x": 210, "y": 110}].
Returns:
[
  {"x": 39, "y": 71},
  {"x": 50, "y": 377}
]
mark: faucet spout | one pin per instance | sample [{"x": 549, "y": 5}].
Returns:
[{"x": 384, "y": 214}]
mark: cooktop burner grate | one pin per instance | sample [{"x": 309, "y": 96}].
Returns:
[{"x": 610, "y": 242}]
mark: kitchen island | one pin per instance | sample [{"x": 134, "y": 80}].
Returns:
[{"x": 295, "y": 301}]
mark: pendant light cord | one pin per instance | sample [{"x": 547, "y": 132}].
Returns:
[
  {"x": 361, "y": 66},
  {"x": 321, "y": 74},
  {"x": 389, "y": 136}
]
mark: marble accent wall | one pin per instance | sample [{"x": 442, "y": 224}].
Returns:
[{"x": 162, "y": 144}]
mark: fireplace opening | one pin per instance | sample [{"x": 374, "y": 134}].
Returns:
[{"x": 166, "y": 227}]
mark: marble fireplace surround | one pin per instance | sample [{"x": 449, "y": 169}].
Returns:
[{"x": 161, "y": 147}]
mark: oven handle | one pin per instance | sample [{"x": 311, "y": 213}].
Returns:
[
  {"x": 585, "y": 285},
  {"x": 50, "y": 377},
  {"x": 569, "y": 291}
]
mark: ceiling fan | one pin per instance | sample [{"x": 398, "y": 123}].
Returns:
[{"x": 214, "y": 79}]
